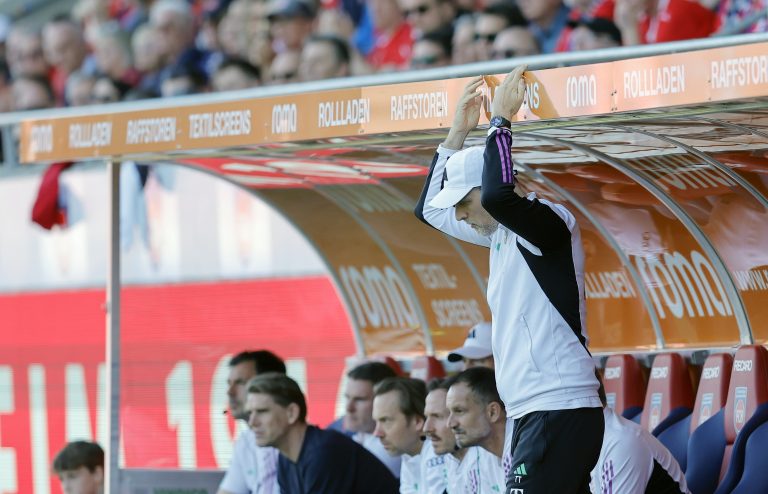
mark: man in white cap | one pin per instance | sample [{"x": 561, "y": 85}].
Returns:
[
  {"x": 544, "y": 372},
  {"x": 476, "y": 351}
]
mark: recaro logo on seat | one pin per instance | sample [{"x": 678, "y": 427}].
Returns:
[
  {"x": 660, "y": 373},
  {"x": 742, "y": 366},
  {"x": 612, "y": 372},
  {"x": 711, "y": 373}
]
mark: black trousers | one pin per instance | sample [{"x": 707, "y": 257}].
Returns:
[{"x": 553, "y": 452}]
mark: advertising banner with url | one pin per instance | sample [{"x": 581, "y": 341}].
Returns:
[{"x": 643, "y": 83}]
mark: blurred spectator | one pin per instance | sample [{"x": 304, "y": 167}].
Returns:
[
  {"x": 432, "y": 50},
  {"x": 182, "y": 80},
  {"x": 547, "y": 19},
  {"x": 130, "y": 14},
  {"x": 312, "y": 460},
  {"x": 324, "y": 57},
  {"x": 113, "y": 54},
  {"x": 291, "y": 22},
  {"x": 80, "y": 468},
  {"x": 462, "y": 45},
  {"x": 284, "y": 68},
  {"x": 427, "y": 15},
  {"x": 232, "y": 32},
  {"x": 32, "y": 93},
  {"x": 24, "y": 49},
  {"x": 79, "y": 89},
  {"x": 106, "y": 90},
  {"x": 65, "y": 50},
  {"x": 175, "y": 24},
  {"x": 593, "y": 34},
  {"x": 741, "y": 16},
  {"x": 5, "y": 28},
  {"x": 234, "y": 74},
  {"x": 147, "y": 58},
  {"x": 392, "y": 39},
  {"x": 6, "y": 96},
  {"x": 514, "y": 42},
  {"x": 358, "y": 419},
  {"x": 476, "y": 350},
  {"x": 490, "y": 22},
  {"x": 653, "y": 21}
]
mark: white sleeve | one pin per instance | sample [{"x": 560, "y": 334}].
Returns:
[
  {"x": 434, "y": 476},
  {"x": 445, "y": 219},
  {"x": 410, "y": 473},
  {"x": 234, "y": 481},
  {"x": 625, "y": 467}
]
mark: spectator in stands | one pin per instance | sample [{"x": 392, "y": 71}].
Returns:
[
  {"x": 632, "y": 460},
  {"x": 739, "y": 16},
  {"x": 593, "y": 34},
  {"x": 476, "y": 351},
  {"x": 175, "y": 24},
  {"x": 513, "y": 42},
  {"x": 182, "y": 80},
  {"x": 312, "y": 460},
  {"x": 425, "y": 16},
  {"x": 392, "y": 39},
  {"x": 80, "y": 468},
  {"x": 462, "y": 45},
  {"x": 433, "y": 49},
  {"x": 6, "y": 96},
  {"x": 79, "y": 89},
  {"x": 5, "y": 28},
  {"x": 284, "y": 68},
  {"x": 291, "y": 23},
  {"x": 253, "y": 468},
  {"x": 490, "y": 22},
  {"x": 24, "y": 51},
  {"x": 652, "y": 21},
  {"x": 65, "y": 50},
  {"x": 234, "y": 74},
  {"x": 358, "y": 418},
  {"x": 232, "y": 34},
  {"x": 398, "y": 409},
  {"x": 478, "y": 418},
  {"x": 438, "y": 431},
  {"x": 112, "y": 50},
  {"x": 324, "y": 57},
  {"x": 32, "y": 93},
  {"x": 148, "y": 58},
  {"x": 547, "y": 19},
  {"x": 545, "y": 369}
]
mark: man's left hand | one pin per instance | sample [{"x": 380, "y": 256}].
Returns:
[{"x": 509, "y": 95}]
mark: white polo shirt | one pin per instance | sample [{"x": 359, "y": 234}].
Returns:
[{"x": 253, "y": 469}]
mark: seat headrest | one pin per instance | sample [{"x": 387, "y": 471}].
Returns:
[
  {"x": 624, "y": 382},
  {"x": 713, "y": 388},
  {"x": 669, "y": 387},
  {"x": 748, "y": 388},
  {"x": 426, "y": 368}
]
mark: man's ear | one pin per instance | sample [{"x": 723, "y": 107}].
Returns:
[
  {"x": 418, "y": 422},
  {"x": 495, "y": 412},
  {"x": 98, "y": 472},
  {"x": 292, "y": 412}
]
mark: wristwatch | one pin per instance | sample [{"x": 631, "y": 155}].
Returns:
[{"x": 499, "y": 122}]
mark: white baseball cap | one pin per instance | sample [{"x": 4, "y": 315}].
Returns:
[
  {"x": 476, "y": 346},
  {"x": 464, "y": 171}
]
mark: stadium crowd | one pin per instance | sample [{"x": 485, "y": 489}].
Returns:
[{"x": 112, "y": 50}]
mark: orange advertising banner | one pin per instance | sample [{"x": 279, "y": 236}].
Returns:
[{"x": 637, "y": 84}]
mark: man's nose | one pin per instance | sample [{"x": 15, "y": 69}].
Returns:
[{"x": 461, "y": 215}]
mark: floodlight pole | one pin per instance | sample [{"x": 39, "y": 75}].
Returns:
[{"x": 112, "y": 448}]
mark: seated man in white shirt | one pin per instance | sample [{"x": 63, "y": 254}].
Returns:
[
  {"x": 632, "y": 461},
  {"x": 398, "y": 409},
  {"x": 478, "y": 418},
  {"x": 476, "y": 351},
  {"x": 253, "y": 469},
  {"x": 358, "y": 393},
  {"x": 461, "y": 467}
]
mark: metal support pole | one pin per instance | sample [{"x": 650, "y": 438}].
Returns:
[{"x": 112, "y": 448}]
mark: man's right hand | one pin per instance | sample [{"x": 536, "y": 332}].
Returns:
[{"x": 467, "y": 114}]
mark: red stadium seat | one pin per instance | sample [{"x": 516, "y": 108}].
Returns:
[
  {"x": 624, "y": 385},
  {"x": 669, "y": 397},
  {"x": 718, "y": 447},
  {"x": 427, "y": 368},
  {"x": 710, "y": 398}
]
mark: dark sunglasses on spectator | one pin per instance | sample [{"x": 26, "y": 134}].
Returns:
[
  {"x": 490, "y": 37},
  {"x": 421, "y": 10},
  {"x": 502, "y": 54},
  {"x": 425, "y": 61}
]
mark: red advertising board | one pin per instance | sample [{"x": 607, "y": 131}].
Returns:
[{"x": 175, "y": 344}]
